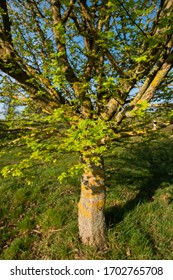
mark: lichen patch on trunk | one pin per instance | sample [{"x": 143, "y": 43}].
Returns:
[{"x": 91, "y": 207}]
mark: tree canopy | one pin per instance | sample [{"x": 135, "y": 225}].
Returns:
[{"x": 92, "y": 52}]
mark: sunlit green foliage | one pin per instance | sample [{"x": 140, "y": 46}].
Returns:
[{"x": 84, "y": 65}]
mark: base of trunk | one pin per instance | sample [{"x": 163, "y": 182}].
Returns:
[{"x": 91, "y": 218}]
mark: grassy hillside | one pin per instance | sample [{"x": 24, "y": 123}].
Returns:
[{"x": 39, "y": 221}]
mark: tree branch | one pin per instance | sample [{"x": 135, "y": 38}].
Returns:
[
  {"x": 6, "y": 22},
  {"x": 68, "y": 11},
  {"x": 148, "y": 89},
  {"x": 68, "y": 71},
  {"x": 131, "y": 19}
]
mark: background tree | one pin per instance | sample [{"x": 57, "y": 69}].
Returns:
[{"x": 82, "y": 69}]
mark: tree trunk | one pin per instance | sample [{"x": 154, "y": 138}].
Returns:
[{"x": 91, "y": 218}]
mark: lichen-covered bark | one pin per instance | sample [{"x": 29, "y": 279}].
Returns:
[{"x": 91, "y": 219}]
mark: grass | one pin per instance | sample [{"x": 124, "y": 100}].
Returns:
[{"x": 40, "y": 221}]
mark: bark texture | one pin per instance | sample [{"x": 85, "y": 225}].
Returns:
[{"x": 91, "y": 218}]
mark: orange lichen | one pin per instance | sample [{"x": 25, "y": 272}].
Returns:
[
  {"x": 84, "y": 211},
  {"x": 94, "y": 205}
]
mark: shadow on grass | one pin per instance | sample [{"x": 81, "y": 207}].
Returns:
[{"x": 145, "y": 167}]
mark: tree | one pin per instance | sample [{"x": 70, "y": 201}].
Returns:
[{"x": 89, "y": 66}]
